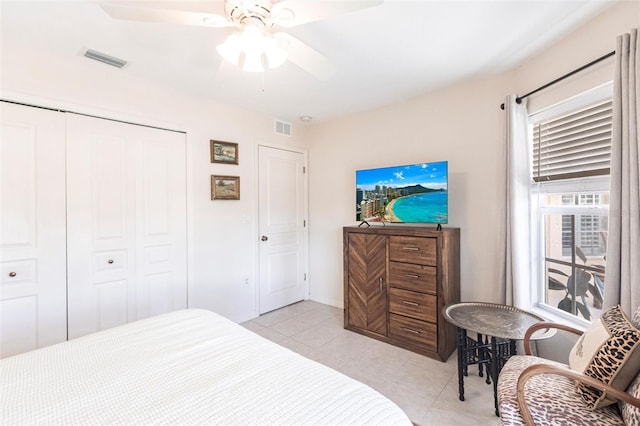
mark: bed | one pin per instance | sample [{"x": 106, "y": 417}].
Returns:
[{"x": 186, "y": 367}]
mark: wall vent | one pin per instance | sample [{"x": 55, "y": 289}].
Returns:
[
  {"x": 104, "y": 58},
  {"x": 282, "y": 128}
]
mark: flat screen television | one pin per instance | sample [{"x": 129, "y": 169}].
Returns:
[{"x": 413, "y": 193}]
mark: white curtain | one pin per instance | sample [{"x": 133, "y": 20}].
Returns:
[
  {"x": 516, "y": 271},
  {"x": 622, "y": 279}
]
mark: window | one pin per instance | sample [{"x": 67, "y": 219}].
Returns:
[
  {"x": 589, "y": 230},
  {"x": 572, "y": 246},
  {"x": 571, "y": 147}
]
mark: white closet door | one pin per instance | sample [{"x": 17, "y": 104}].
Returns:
[
  {"x": 161, "y": 231},
  {"x": 33, "y": 310},
  {"x": 126, "y": 223}
]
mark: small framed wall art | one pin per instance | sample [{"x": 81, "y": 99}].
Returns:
[
  {"x": 224, "y": 152},
  {"x": 225, "y": 187}
]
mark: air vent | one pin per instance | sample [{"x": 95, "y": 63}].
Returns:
[
  {"x": 104, "y": 58},
  {"x": 283, "y": 128}
]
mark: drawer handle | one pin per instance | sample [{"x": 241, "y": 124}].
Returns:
[
  {"x": 411, "y": 248},
  {"x": 406, "y": 302},
  {"x": 110, "y": 261},
  {"x": 411, "y": 330},
  {"x": 12, "y": 274},
  {"x": 412, "y": 276}
]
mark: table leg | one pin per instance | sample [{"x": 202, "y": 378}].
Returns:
[
  {"x": 486, "y": 358},
  {"x": 480, "y": 354},
  {"x": 466, "y": 353},
  {"x": 462, "y": 365},
  {"x": 494, "y": 360}
]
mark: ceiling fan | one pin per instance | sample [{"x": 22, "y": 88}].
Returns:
[{"x": 258, "y": 38}]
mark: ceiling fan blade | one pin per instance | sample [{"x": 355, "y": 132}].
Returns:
[
  {"x": 305, "y": 11},
  {"x": 307, "y": 58},
  {"x": 146, "y": 13}
]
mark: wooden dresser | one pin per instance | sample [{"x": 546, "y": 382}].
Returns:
[{"x": 397, "y": 279}]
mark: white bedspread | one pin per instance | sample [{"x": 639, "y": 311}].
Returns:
[{"x": 186, "y": 367}]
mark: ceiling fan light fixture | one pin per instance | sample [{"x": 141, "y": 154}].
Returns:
[
  {"x": 252, "y": 62},
  {"x": 230, "y": 50},
  {"x": 253, "y": 49}
]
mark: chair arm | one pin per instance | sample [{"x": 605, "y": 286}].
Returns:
[
  {"x": 533, "y": 370},
  {"x": 540, "y": 325}
]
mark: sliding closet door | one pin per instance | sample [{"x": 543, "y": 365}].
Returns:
[
  {"x": 33, "y": 294},
  {"x": 126, "y": 223}
]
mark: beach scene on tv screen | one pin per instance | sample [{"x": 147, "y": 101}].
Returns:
[{"x": 410, "y": 193}]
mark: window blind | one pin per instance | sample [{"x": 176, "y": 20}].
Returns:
[{"x": 577, "y": 144}]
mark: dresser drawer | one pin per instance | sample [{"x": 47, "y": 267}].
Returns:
[
  {"x": 417, "y": 331},
  {"x": 413, "y": 249},
  {"x": 411, "y": 304},
  {"x": 413, "y": 277}
]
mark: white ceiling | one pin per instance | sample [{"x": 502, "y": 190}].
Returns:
[{"x": 381, "y": 54}]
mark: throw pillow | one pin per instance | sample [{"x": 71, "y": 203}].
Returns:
[
  {"x": 630, "y": 413},
  {"x": 608, "y": 351}
]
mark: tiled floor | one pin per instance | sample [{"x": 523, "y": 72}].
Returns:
[{"x": 426, "y": 389}]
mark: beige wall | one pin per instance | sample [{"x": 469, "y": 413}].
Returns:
[
  {"x": 580, "y": 47},
  {"x": 462, "y": 124}
]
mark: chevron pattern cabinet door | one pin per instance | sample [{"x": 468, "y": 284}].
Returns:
[{"x": 367, "y": 282}]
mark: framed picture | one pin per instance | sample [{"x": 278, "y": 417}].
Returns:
[
  {"x": 224, "y": 152},
  {"x": 225, "y": 187}
]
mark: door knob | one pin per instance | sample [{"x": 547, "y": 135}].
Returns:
[{"x": 264, "y": 238}]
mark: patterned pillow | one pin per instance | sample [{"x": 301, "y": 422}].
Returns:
[
  {"x": 635, "y": 319},
  {"x": 631, "y": 414},
  {"x": 608, "y": 351}
]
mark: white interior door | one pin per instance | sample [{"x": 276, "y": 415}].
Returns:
[
  {"x": 282, "y": 207},
  {"x": 33, "y": 309},
  {"x": 126, "y": 223}
]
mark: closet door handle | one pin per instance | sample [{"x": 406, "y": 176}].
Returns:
[
  {"x": 380, "y": 282},
  {"x": 110, "y": 261},
  {"x": 12, "y": 274}
]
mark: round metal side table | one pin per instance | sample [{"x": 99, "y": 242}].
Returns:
[{"x": 497, "y": 327}]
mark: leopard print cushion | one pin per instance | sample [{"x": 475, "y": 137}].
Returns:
[
  {"x": 551, "y": 398},
  {"x": 631, "y": 414},
  {"x": 615, "y": 361},
  {"x": 635, "y": 319}
]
